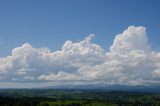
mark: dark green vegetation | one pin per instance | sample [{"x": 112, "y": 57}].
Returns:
[{"x": 50, "y": 97}]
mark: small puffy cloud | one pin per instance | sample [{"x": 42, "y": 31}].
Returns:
[{"x": 130, "y": 61}]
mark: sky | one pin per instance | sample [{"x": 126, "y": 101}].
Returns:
[{"x": 53, "y": 42}]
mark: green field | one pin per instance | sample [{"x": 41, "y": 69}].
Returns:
[{"x": 74, "y": 97}]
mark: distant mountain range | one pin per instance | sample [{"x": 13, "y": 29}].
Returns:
[{"x": 138, "y": 88}]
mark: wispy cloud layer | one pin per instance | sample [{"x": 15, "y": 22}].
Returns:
[{"x": 130, "y": 61}]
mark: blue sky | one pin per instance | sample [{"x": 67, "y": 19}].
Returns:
[
  {"x": 49, "y": 23},
  {"x": 78, "y": 42}
]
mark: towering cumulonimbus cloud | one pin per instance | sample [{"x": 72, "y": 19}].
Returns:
[
  {"x": 130, "y": 61},
  {"x": 134, "y": 38}
]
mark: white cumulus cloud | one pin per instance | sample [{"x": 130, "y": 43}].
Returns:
[
  {"x": 130, "y": 61},
  {"x": 133, "y": 38}
]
